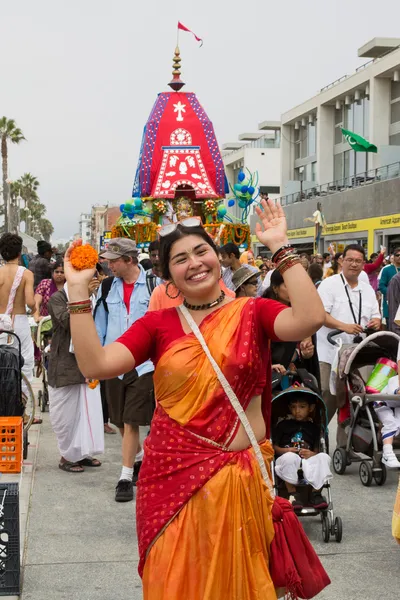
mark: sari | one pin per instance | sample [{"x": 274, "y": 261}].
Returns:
[
  {"x": 204, "y": 519},
  {"x": 396, "y": 517}
]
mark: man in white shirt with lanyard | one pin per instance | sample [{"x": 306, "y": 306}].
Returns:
[{"x": 351, "y": 306}]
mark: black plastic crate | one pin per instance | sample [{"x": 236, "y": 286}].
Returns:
[{"x": 9, "y": 540}]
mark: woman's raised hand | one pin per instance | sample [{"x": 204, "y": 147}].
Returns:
[
  {"x": 76, "y": 279},
  {"x": 273, "y": 232}
]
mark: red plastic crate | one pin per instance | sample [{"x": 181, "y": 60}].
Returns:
[{"x": 11, "y": 440}]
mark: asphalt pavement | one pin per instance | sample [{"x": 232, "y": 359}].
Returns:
[{"x": 81, "y": 544}]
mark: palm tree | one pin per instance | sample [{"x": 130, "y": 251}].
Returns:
[
  {"x": 9, "y": 132},
  {"x": 28, "y": 186},
  {"x": 46, "y": 229}
]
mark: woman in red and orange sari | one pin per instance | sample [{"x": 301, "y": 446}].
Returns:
[{"x": 203, "y": 510}]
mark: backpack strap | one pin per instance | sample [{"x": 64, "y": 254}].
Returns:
[
  {"x": 151, "y": 281},
  {"x": 105, "y": 290}
]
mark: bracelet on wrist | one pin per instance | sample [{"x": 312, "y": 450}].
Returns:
[
  {"x": 80, "y": 311},
  {"x": 275, "y": 256},
  {"x": 79, "y": 302},
  {"x": 287, "y": 263}
]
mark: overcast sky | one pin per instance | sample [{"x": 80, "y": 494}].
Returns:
[{"x": 80, "y": 77}]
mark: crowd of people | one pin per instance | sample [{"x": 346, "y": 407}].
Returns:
[{"x": 125, "y": 348}]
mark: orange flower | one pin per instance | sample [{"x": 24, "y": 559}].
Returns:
[
  {"x": 84, "y": 257},
  {"x": 93, "y": 383}
]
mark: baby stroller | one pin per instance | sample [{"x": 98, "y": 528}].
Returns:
[
  {"x": 14, "y": 402},
  {"x": 356, "y": 412},
  {"x": 43, "y": 337},
  {"x": 331, "y": 524}
]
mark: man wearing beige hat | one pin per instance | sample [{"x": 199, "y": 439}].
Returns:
[
  {"x": 245, "y": 282},
  {"x": 130, "y": 397}
]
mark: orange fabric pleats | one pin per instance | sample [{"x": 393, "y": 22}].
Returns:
[{"x": 217, "y": 547}]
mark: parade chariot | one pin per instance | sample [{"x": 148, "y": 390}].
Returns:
[{"x": 180, "y": 173}]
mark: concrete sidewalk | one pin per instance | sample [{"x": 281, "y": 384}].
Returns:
[{"x": 81, "y": 544}]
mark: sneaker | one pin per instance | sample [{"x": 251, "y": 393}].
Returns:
[
  {"x": 136, "y": 469},
  {"x": 124, "y": 491},
  {"x": 296, "y": 502},
  {"x": 317, "y": 500},
  {"x": 390, "y": 461}
]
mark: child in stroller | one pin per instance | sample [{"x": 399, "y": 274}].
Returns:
[
  {"x": 388, "y": 413},
  {"x": 296, "y": 440}
]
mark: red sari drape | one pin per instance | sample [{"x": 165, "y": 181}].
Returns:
[{"x": 191, "y": 487}]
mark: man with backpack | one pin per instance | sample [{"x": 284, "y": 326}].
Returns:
[{"x": 121, "y": 300}]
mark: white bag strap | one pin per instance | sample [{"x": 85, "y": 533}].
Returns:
[
  {"x": 233, "y": 399},
  {"x": 16, "y": 283}
]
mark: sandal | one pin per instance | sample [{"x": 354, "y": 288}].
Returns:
[
  {"x": 108, "y": 429},
  {"x": 37, "y": 421},
  {"x": 71, "y": 467},
  {"x": 89, "y": 462}
]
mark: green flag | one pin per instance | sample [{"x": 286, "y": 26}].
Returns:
[{"x": 358, "y": 143}]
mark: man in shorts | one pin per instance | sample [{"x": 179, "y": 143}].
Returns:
[{"x": 130, "y": 397}]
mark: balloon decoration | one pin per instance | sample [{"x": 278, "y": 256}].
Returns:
[
  {"x": 221, "y": 212},
  {"x": 246, "y": 192}
]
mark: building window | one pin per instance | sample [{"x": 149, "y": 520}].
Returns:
[
  {"x": 395, "y": 90},
  {"x": 270, "y": 189},
  {"x": 305, "y": 141},
  {"x": 297, "y": 143},
  {"x": 338, "y": 125},
  {"x": 338, "y": 166},
  {"x": 395, "y": 112},
  {"x": 394, "y": 140},
  {"x": 311, "y": 139},
  {"x": 348, "y": 117},
  {"x": 314, "y": 171}
]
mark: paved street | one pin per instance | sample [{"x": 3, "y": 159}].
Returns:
[{"x": 81, "y": 544}]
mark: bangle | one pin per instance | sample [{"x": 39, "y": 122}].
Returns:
[
  {"x": 285, "y": 247},
  {"x": 79, "y": 302},
  {"x": 287, "y": 263},
  {"x": 284, "y": 254},
  {"x": 80, "y": 311}
]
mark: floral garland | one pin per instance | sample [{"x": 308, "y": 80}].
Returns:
[
  {"x": 238, "y": 234},
  {"x": 160, "y": 207},
  {"x": 209, "y": 207},
  {"x": 140, "y": 232}
]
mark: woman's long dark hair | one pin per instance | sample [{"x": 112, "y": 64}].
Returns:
[
  {"x": 167, "y": 242},
  {"x": 276, "y": 281},
  {"x": 335, "y": 262}
]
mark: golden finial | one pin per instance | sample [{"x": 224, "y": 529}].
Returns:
[{"x": 176, "y": 83}]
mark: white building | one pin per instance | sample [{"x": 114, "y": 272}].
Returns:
[
  {"x": 367, "y": 103},
  {"x": 85, "y": 227},
  {"x": 359, "y": 192},
  {"x": 257, "y": 152}
]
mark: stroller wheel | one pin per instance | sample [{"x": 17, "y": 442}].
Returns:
[
  {"x": 339, "y": 461},
  {"x": 325, "y": 528},
  {"x": 338, "y": 529},
  {"x": 380, "y": 476},
  {"x": 365, "y": 473}
]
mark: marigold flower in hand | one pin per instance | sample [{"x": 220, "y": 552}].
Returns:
[{"x": 84, "y": 257}]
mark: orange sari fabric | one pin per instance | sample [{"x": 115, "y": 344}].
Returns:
[
  {"x": 217, "y": 547},
  {"x": 192, "y": 490},
  {"x": 396, "y": 516}
]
